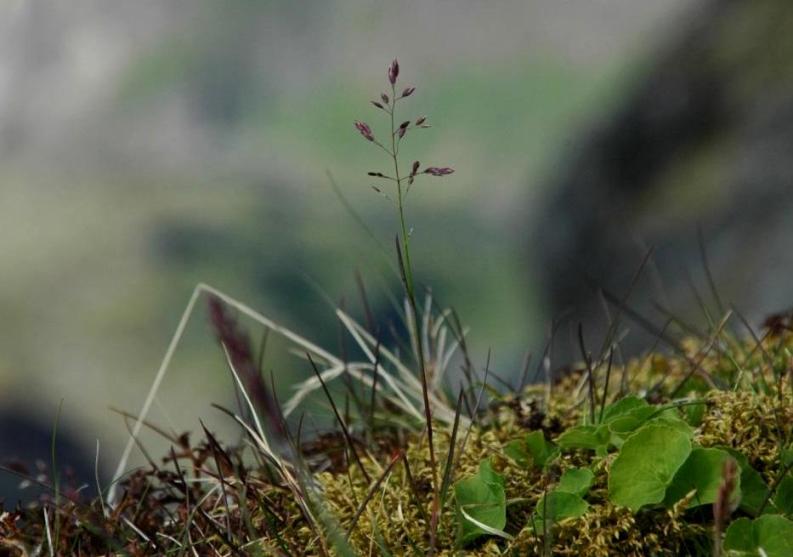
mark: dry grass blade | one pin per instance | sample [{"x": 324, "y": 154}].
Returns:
[
  {"x": 611, "y": 333},
  {"x": 345, "y": 432},
  {"x": 758, "y": 345},
  {"x": 407, "y": 381},
  {"x": 703, "y": 253},
  {"x": 606, "y": 386},
  {"x": 367, "y": 310},
  {"x": 403, "y": 388},
  {"x": 397, "y": 396},
  {"x": 590, "y": 373},
  {"x": 262, "y": 437},
  {"x": 237, "y": 348},
  {"x": 223, "y": 535},
  {"x": 173, "y": 438},
  {"x": 773, "y": 487},
  {"x": 696, "y": 365},
  {"x": 475, "y": 410},
  {"x": 524, "y": 374},
  {"x": 448, "y": 468},
  {"x": 373, "y": 400},
  {"x": 224, "y": 467},
  {"x": 198, "y": 291},
  {"x": 414, "y": 491}
]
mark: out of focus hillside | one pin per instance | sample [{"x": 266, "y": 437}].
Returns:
[
  {"x": 147, "y": 146},
  {"x": 694, "y": 163}
]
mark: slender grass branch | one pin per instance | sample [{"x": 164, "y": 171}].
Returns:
[{"x": 403, "y": 183}]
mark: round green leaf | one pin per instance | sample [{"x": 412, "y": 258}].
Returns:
[
  {"x": 584, "y": 437},
  {"x": 646, "y": 464},
  {"x": 770, "y": 535},
  {"x": 623, "y": 407},
  {"x": 630, "y": 421},
  {"x": 576, "y": 481},
  {"x": 739, "y": 536},
  {"x": 701, "y": 472},
  {"x": 557, "y": 506},
  {"x": 517, "y": 451},
  {"x": 541, "y": 450},
  {"x": 784, "y": 495},
  {"x": 671, "y": 417},
  {"x": 481, "y": 503},
  {"x": 774, "y": 535},
  {"x": 531, "y": 450}
]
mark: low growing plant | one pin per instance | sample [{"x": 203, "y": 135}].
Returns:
[{"x": 685, "y": 453}]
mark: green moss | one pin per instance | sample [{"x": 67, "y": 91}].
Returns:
[
  {"x": 745, "y": 398},
  {"x": 756, "y": 424}
]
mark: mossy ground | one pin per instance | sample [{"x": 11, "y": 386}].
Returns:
[
  {"x": 755, "y": 418},
  {"x": 748, "y": 406}
]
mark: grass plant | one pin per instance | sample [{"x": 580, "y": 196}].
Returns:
[{"x": 687, "y": 451}]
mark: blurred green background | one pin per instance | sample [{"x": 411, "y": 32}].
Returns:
[{"x": 147, "y": 146}]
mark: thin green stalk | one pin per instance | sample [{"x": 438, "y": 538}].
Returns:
[
  {"x": 410, "y": 290},
  {"x": 402, "y": 242}
]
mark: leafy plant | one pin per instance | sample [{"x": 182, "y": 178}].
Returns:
[
  {"x": 481, "y": 504},
  {"x": 532, "y": 450},
  {"x": 701, "y": 476},
  {"x": 555, "y": 507},
  {"x": 646, "y": 466},
  {"x": 767, "y": 536},
  {"x": 403, "y": 181},
  {"x": 783, "y": 499},
  {"x": 590, "y": 437},
  {"x": 606, "y": 459},
  {"x": 623, "y": 407},
  {"x": 619, "y": 420},
  {"x": 576, "y": 481}
]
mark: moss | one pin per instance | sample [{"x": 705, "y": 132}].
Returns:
[
  {"x": 754, "y": 420},
  {"x": 743, "y": 389}
]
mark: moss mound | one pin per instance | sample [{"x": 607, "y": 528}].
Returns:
[
  {"x": 550, "y": 470},
  {"x": 738, "y": 397}
]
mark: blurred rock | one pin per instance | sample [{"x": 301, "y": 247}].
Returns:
[
  {"x": 26, "y": 446},
  {"x": 702, "y": 139}
]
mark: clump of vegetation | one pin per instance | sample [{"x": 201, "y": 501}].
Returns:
[{"x": 669, "y": 454}]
